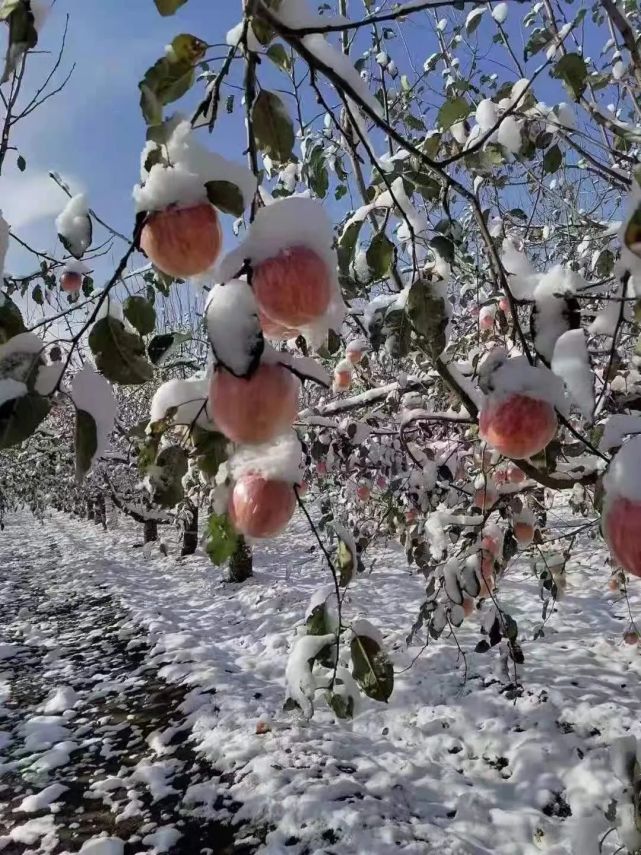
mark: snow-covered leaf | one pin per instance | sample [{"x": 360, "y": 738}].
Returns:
[
  {"x": 140, "y": 314},
  {"x": 166, "y": 474},
  {"x": 380, "y": 255},
  {"x": 95, "y": 403},
  {"x": 119, "y": 354},
  {"x": 571, "y": 362},
  {"x": 273, "y": 126},
  {"x": 372, "y": 668},
  {"x": 222, "y": 539},
  {"x": 234, "y": 328},
  {"x": 73, "y": 225},
  {"x": 473, "y": 20},
  {"x": 22, "y": 33}
]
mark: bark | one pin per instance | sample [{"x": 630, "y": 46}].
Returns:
[
  {"x": 150, "y": 530},
  {"x": 190, "y": 532},
  {"x": 240, "y": 564}
]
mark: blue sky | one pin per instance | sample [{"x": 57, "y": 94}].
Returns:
[{"x": 92, "y": 132}]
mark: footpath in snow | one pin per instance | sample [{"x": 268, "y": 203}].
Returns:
[{"x": 141, "y": 700}]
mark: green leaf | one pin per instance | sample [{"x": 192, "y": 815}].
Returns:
[
  {"x": 22, "y": 33},
  {"x": 540, "y": 38},
  {"x": 19, "y": 417},
  {"x": 343, "y": 707},
  {"x": 451, "y": 112},
  {"x": 166, "y": 476},
  {"x": 140, "y": 314},
  {"x": 222, "y": 541},
  {"x": 380, "y": 255},
  {"x": 168, "y": 7},
  {"x": 443, "y": 247},
  {"x": 170, "y": 77},
  {"x": 604, "y": 264},
  {"x": 21, "y": 163},
  {"x": 119, "y": 355},
  {"x": 279, "y": 57},
  {"x": 160, "y": 345},
  {"x": 86, "y": 442},
  {"x": 552, "y": 159},
  {"x": 372, "y": 668},
  {"x": 36, "y": 295},
  {"x": 210, "y": 449},
  {"x": 11, "y": 322},
  {"x": 347, "y": 245},
  {"x": 427, "y": 312},
  {"x": 573, "y": 71},
  {"x": 345, "y": 561},
  {"x": 225, "y": 196},
  {"x": 273, "y": 126}
]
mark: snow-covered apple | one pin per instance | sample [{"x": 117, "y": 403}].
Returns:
[
  {"x": 523, "y": 532},
  {"x": 275, "y": 331},
  {"x": 342, "y": 380},
  {"x": 485, "y": 494},
  {"x": 259, "y": 507},
  {"x": 486, "y": 318},
  {"x": 182, "y": 242},
  {"x": 515, "y": 475},
  {"x": 504, "y": 306},
  {"x": 293, "y": 288},
  {"x": 517, "y": 425},
  {"x": 256, "y": 409},
  {"x": 631, "y": 637},
  {"x": 71, "y": 282}
]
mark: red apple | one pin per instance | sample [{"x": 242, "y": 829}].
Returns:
[
  {"x": 523, "y": 533},
  {"x": 294, "y": 287},
  {"x": 468, "y": 606},
  {"x": 259, "y": 507},
  {"x": 321, "y": 468},
  {"x": 411, "y": 516},
  {"x": 486, "y": 319},
  {"x": 182, "y": 242},
  {"x": 363, "y": 492},
  {"x": 622, "y": 531},
  {"x": 71, "y": 282},
  {"x": 274, "y": 331},
  {"x": 504, "y": 306},
  {"x": 518, "y": 426},
  {"x": 485, "y": 497},
  {"x": 631, "y": 637},
  {"x": 257, "y": 409},
  {"x": 342, "y": 380},
  {"x": 515, "y": 475}
]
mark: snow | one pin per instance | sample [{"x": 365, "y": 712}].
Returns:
[
  {"x": 92, "y": 393},
  {"x": 60, "y": 700},
  {"x": 499, "y": 13},
  {"x": 232, "y": 325},
  {"x": 296, "y": 14},
  {"x": 523, "y": 278},
  {"x": 188, "y": 396},
  {"x": 74, "y": 225},
  {"x": 451, "y": 764},
  {"x": 622, "y": 476},
  {"x": 509, "y": 134},
  {"x": 33, "y": 830},
  {"x": 293, "y": 221},
  {"x": 162, "y": 839},
  {"x": 40, "y": 801},
  {"x": 504, "y": 376},
  {"x": 234, "y": 36},
  {"x": 550, "y": 320},
  {"x": 571, "y": 362},
  {"x": 607, "y": 320},
  {"x": 192, "y": 165},
  {"x": 103, "y": 846},
  {"x": 48, "y": 376},
  {"x": 26, "y": 345},
  {"x": 486, "y": 114},
  {"x": 280, "y": 460},
  {"x": 301, "y": 683},
  {"x": 617, "y": 428},
  {"x": 10, "y": 388},
  {"x": 472, "y": 17}
]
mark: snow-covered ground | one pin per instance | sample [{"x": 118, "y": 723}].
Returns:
[{"x": 456, "y": 763}]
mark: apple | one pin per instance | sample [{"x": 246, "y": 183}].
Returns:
[
  {"x": 518, "y": 426},
  {"x": 292, "y": 288},
  {"x": 259, "y": 507},
  {"x": 182, "y": 242}
]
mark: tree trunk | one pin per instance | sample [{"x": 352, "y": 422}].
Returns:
[
  {"x": 151, "y": 530},
  {"x": 90, "y": 510},
  {"x": 240, "y": 564},
  {"x": 190, "y": 533},
  {"x": 101, "y": 511}
]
